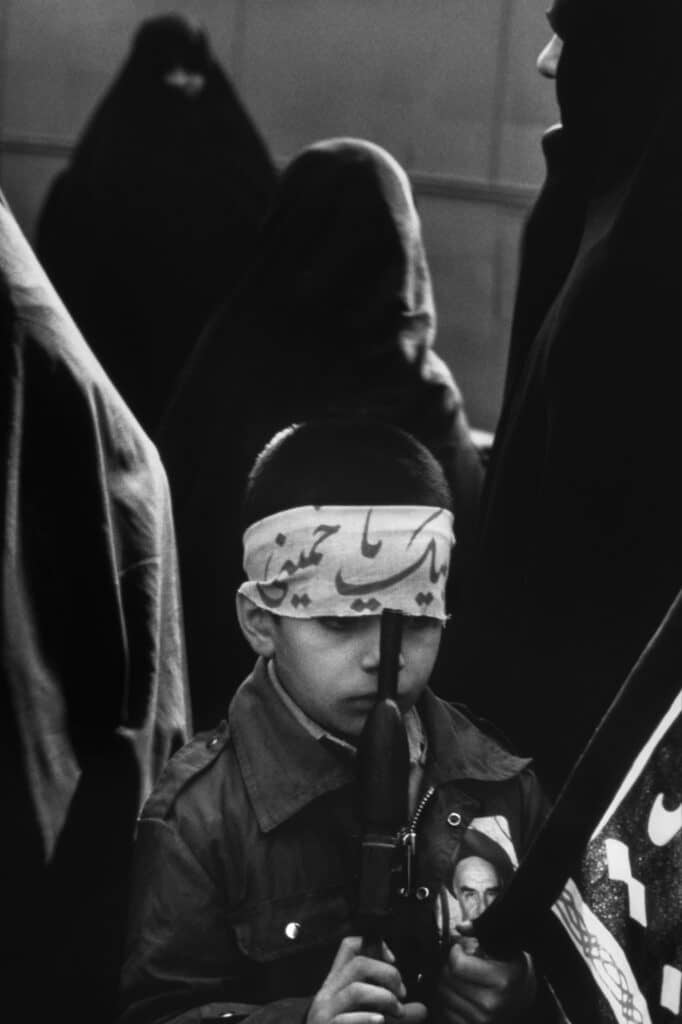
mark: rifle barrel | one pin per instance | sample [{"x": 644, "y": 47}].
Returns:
[{"x": 383, "y": 774}]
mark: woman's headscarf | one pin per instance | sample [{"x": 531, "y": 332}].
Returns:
[
  {"x": 334, "y": 317},
  {"x": 616, "y": 76},
  {"x": 343, "y": 247}
]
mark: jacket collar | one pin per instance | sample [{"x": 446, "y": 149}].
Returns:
[
  {"x": 285, "y": 768},
  {"x": 459, "y": 750}
]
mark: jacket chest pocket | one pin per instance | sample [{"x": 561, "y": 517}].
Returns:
[{"x": 291, "y": 942}]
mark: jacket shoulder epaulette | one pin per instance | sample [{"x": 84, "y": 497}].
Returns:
[{"x": 189, "y": 762}]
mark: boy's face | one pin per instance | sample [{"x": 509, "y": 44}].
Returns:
[{"x": 329, "y": 666}]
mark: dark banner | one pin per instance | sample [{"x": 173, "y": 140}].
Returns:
[
  {"x": 622, "y": 909},
  {"x": 598, "y": 899}
]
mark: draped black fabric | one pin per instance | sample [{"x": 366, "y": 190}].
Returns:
[
  {"x": 580, "y": 547},
  {"x": 145, "y": 231},
  {"x": 608, "y": 859},
  {"x": 335, "y": 317},
  {"x": 92, "y": 674}
]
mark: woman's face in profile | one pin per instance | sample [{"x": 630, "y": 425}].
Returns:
[{"x": 581, "y": 67}]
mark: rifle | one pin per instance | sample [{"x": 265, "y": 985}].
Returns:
[
  {"x": 383, "y": 776},
  {"x": 383, "y": 764}
]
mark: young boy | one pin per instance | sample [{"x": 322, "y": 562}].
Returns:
[{"x": 248, "y": 850}]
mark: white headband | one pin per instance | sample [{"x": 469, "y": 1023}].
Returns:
[{"x": 349, "y": 560}]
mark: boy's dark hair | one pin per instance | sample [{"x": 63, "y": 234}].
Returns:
[{"x": 342, "y": 462}]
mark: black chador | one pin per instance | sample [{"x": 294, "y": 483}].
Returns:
[
  {"x": 580, "y": 547},
  {"x": 146, "y": 230}
]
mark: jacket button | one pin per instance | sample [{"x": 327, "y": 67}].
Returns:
[
  {"x": 454, "y": 819},
  {"x": 423, "y": 893},
  {"x": 292, "y": 930}
]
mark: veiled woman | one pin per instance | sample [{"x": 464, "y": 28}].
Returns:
[
  {"x": 146, "y": 230},
  {"x": 580, "y": 549},
  {"x": 334, "y": 316},
  {"x": 93, "y": 697}
]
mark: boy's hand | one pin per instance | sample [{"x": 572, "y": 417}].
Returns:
[
  {"x": 361, "y": 990},
  {"x": 476, "y": 990}
]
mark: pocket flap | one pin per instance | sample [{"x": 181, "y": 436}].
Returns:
[{"x": 277, "y": 928}]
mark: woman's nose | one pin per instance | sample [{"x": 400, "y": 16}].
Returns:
[{"x": 548, "y": 60}]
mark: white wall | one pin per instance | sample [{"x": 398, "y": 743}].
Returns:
[{"x": 448, "y": 86}]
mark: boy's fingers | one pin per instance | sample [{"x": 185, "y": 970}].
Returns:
[
  {"x": 413, "y": 1013},
  {"x": 387, "y": 953},
  {"x": 460, "y": 1010},
  {"x": 361, "y": 1017},
  {"x": 476, "y": 970},
  {"x": 360, "y": 995},
  {"x": 468, "y": 943},
  {"x": 482, "y": 988},
  {"x": 348, "y": 948},
  {"x": 383, "y": 971},
  {"x": 376, "y": 972},
  {"x": 477, "y": 1001}
]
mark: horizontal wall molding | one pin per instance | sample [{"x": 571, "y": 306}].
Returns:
[
  {"x": 35, "y": 145},
  {"x": 446, "y": 186},
  {"x": 440, "y": 186}
]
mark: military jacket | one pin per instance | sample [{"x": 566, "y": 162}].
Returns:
[{"x": 248, "y": 852}]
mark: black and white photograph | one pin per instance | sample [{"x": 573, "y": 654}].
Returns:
[{"x": 341, "y": 568}]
